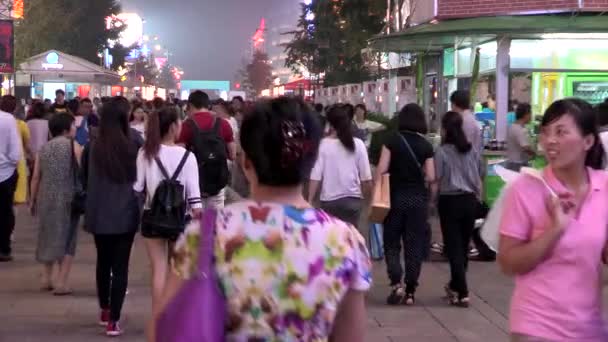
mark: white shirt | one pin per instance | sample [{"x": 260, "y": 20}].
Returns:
[
  {"x": 341, "y": 170},
  {"x": 10, "y": 146},
  {"x": 149, "y": 175}
]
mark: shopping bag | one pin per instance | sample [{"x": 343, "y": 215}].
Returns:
[
  {"x": 381, "y": 201},
  {"x": 490, "y": 232},
  {"x": 376, "y": 243}
]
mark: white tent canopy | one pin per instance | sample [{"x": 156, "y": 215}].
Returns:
[{"x": 56, "y": 66}]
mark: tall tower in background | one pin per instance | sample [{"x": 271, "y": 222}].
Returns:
[
  {"x": 282, "y": 17},
  {"x": 258, "y": 40}
]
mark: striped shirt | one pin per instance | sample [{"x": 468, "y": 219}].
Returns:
[{"x": 458, "y": 172}]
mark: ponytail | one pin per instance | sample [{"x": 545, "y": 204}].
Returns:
[
  {"x": 339, "y": 120},
  {"x": 153, "y": 136},
  {"x": 159, "y": 124}
]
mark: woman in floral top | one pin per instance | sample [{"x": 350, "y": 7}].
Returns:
[{"x": 289, "y": 272}]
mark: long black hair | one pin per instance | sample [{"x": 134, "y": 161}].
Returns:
[
  {"x": 453, "y": 133},
  {"x": 159, "y": 123},
  {"x": 114, "y": 153},
  {"x": 584, "y": 118},
  {"x": 341, "y": 123},
  {"x": 281, "y": 138}
]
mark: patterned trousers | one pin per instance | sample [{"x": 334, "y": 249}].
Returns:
[{"x": 406, "y": 226}]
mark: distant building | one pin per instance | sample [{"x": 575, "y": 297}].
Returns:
[{"x": 282, "y": 17}]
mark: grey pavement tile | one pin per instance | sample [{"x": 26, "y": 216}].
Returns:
[{"x": 30, "y": 315}]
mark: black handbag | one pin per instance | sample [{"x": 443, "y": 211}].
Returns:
[{"x": 79, "y": 198}]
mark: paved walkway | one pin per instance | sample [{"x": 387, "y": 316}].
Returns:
[{"x": 29, "y": 315}]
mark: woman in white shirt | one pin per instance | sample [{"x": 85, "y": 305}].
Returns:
[
  {"x": 342, "y": 170},
  {"x": 163, "y": 128},
  {"x": 137, "y": 119}
]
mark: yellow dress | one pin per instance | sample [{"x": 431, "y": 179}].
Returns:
[{"x": 21, "y": 192}]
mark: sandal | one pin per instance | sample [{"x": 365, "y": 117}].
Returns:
[
  {"x": 410, "y": 300},
  {"x": 62, "y": 292},
  {"x": 397, "y": 295},
  {"x": 461, "y": 302}
]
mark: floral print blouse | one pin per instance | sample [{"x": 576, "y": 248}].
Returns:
[{"x": 284, "y": 270}]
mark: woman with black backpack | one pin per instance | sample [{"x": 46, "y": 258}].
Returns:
[
  {"x": 163, "y": 170},
  {"x": 112, "y": 211}
]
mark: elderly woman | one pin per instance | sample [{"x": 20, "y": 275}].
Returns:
[{"x": 53, "y": 188}]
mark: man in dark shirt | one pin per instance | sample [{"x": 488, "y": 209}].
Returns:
[
  {"x": 86, "y": 110},
  {"x": 60, "y": 106}
]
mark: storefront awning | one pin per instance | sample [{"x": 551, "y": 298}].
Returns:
[
  {"x": 56, "y": 66},
  {"x": 437, "y": 35}
]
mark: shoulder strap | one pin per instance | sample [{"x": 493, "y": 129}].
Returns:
[
  {"x": 161, "y": 167},
  {"x": 180, "y": 166},
  {"x": 411, "y": 153},
  {"x": 194, "y": 125},
  {"x": 206, "y": 247},
  {"x": 217, "y": 124}
]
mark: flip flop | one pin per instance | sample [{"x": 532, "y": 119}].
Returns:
[{"x": 62, "y": 292}]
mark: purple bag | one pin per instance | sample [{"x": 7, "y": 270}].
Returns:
[{"x": 198, "y": 311}]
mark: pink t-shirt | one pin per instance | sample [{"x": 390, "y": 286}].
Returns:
[{"x": 561, "y": 298}]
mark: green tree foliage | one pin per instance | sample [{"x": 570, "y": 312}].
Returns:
[
  {"x": 165, "y": 78},
  {"x": 259, "y": 72},
  {"x": 330, "y": 35},
  {"x": 142, "y": 67},
  {"x": 75, "y": 27}
]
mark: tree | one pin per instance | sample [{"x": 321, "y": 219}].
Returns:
[
  {"x": 165, "y": 78},
  {"x": 75, "y": 27},
  {"x": 330, "y": 36},
  {"x": 259, "y": 72},
  {"x": 242, "y": 78}
]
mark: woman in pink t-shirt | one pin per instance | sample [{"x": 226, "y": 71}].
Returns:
[{"x": 554, "y": 246}]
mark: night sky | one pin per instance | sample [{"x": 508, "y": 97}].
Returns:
[{"x": 208, "y": 38}]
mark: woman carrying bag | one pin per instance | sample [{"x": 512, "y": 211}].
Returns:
[
  {"x": 288, "y": 272},
  {"x": 408, "y": 157}
]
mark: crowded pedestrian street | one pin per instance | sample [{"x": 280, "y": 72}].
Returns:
[
  {"x": 303, "y": 171},
  {"x": 32, "y": 315}
]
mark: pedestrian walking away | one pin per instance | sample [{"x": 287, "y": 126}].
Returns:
[
  {"x": 555, "y": 223},
  {"x": 211, "y": 140},
  {"x": 160, "y": 150},
  {"x": 342, "y": 171},
  {"x": 408, "y": 157},
  {"x": 459, "y": 172},
  {"x": 53, "y": 187},
  {"x": 112, "y": 208},
  {"x": 316, "y": 256},
  {"x": 10, "y": 155}
]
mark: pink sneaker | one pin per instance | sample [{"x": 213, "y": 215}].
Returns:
[
  {"x": 113, "y": 329},
  {"x": 104, "y": 318}
]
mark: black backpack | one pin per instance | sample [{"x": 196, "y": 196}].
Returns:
[
  {"x": 166, "y": 217},
  {"x": 210, "y": 151}
]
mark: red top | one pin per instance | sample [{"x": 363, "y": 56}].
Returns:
[{"x": 205, "y": 122}]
